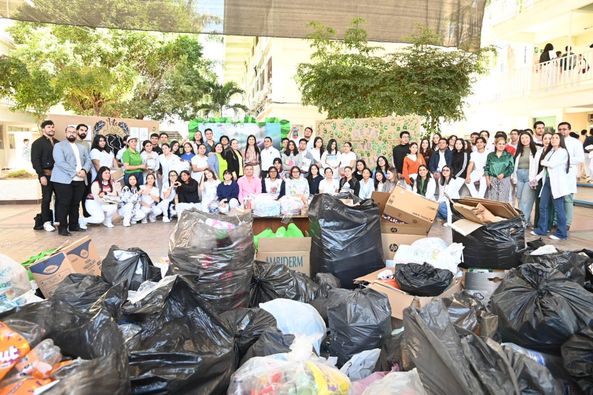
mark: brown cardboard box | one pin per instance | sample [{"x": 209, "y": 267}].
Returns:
[
  {"x": 294, "y": 252},
  {"x": 470, "y": 222},
  {"x": 417, "y": 212},
  {"x": 78, "y": 257},
  {"x": 400, "y": 300},
  {"x": 391, "y": 242}
]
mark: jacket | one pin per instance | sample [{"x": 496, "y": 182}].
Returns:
[
  {"x": 433, "y": 164},
  {"x": 560, "y": 182},
  {"x": 65, "y": 163},
  {"x": 42, "y": 155},
  {"x": 533, "y": 165}
]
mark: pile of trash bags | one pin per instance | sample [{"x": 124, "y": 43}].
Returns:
[{"x": 266, "y": 329}]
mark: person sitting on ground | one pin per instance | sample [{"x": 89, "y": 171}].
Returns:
[
  {"x": 102, "y": 202},
  {"x": 228, "y": 193},
  {"x": 273, "y": 184},
  {"x": 349, "y": 184},
  {"x": 297, "y": 192},
  {"x": 289, "y": 156},
  {"x": 367, "y": 185},
  {"x": 168, "y": 194},
  {"x": 129, "y": 207},
  {"x": 379, "y": 180},
  {"x": 360, "y": 166},
  {"x": 425, "y": 184},
  {"x": 209, "y": 189},
  {"x": 391, "y": 180},
  {"x": 328, "y": 184},
  {"x": 149, "y": 199},
  {"x": 314, "y": 178},
  {"x": 248, "y": 185},
  {"x": 188, "y": 194}
]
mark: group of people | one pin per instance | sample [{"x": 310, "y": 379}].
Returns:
[{"x": 164, "y": 178}]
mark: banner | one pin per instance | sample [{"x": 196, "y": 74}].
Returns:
[{"x": 370, "y": 137}]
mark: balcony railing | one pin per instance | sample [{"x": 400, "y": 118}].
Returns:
[{"x": 564, "y": 71}]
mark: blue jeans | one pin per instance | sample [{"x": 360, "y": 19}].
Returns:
[
  {"x": 442, "y": 212},
  {"x": 139, "y": 176},
  {"x": 525, "y": 195},
  {"x": 546, "y": 199}
]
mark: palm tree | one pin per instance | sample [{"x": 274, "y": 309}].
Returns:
[{"x": 220, "y": 96}]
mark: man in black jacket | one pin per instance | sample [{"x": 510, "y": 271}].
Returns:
[
  {"x": 43, "y": 162},
  {"x": 400, "y": 151}
]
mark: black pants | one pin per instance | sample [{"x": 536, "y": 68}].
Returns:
[
  {"x": 68, "y": 198},
  {"x": 87, "y": 190},
  {"x": 46, "y": 194}
]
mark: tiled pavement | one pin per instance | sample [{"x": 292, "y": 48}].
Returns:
[{"x": 18, "y": 240}]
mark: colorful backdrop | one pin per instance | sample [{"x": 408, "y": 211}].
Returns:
[{"x": 370, "y": 137}]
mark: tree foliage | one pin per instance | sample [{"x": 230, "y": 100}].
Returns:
[
  {"x": 352, "y": 79},
  {"x": 110, "y": 72},
  {"x": 219, "y": 98}
]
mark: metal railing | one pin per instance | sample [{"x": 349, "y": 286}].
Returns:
[{"x": 569, "y": 70}]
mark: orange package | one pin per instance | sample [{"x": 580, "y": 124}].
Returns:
[
  {"x": 26, "y": 386},
  {"x": 13, "y": 346}
]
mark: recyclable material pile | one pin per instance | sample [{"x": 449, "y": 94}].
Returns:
[{"x": 215, "y": 320}]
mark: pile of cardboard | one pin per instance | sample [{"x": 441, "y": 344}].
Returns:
[
  {"x": 414, "y": 215},
  {"x": 479, "y": 212}
]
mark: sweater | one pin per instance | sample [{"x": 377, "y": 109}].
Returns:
[{"x": 228, "y": 192}]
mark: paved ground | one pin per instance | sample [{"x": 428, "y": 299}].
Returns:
[{"x": 19, "y": 241}]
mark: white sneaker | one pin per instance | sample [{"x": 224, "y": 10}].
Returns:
[
  {"x": 48, "y": 227},
  {"x": 152, "y": 218},
  {"x": 554, "y": 237},
  {"x": 533, "y": 233},
  {"x": 144, "y": 221},
  {"x": 82, "y": 223},
  {"x": 126, "y": 222},
  {"x": 107, "y": 224},
  {"x": 165, "y": 219}
]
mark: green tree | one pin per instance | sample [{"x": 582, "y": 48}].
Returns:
[
  {"x": 351, "y": 79},
  {"x": 111, "y": 72},
  {"x": 219, "y": 98}
]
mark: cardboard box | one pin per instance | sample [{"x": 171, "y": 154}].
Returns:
[
  {"x": 470, "y": 222},
  {"x": 78, "y": 257},
  {"x": 416, "y": 212},
  {"x": 400, "y": 300},
  {"x": 294, "y": 252},
  {"x": 391, "y": 242}
]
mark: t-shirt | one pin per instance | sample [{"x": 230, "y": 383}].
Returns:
[
  {"x": 348, "y": 159},
  {"x": 267, "y": 156},
  {"x": 326, "y": 186},
  {"x": 105, "y": 159},
  {"x": 199, "y": 161},
  {"x": 148, "y": 199},
  {"x": 152, "y": 161},
  {"x": 479, "y": 159},
  {"x": 78, "y": 161},
  {"x": 132, "y": 158},
  {"x": 209, "y": 193}
]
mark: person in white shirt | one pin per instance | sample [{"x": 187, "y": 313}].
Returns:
[
  {"x": 331, "y": 157},
  {"x": 539, "y": 127},
  {"x": 209, "y": 191},
  {"x": 303, "y": 160},
  {"x": 328, "y": 184},
  {"x": 475, "y": 169},
  {"x": 168, "y": 194},
  {"x": 199, "y": 163},
  {"x": 577, "y": 156},
  {"x": 267, "y": 155},
  {"x": 489, "y": 146},
  {"x": 168, "y": 162},
  {"x": 149, "y": 199},
  {"x": 347, "y": 158},
  {"x": 149, "y": 158},
  {"x": 308, "y": 135},
  {"x": 367, "y": 184},
  {"x": 424, "y": 185},
  {"x": 102, "y": 202},
  {"x": 316, "y": 152},
  {"x": 123, "y": 149},
  {"x": 101, "y": 155}
]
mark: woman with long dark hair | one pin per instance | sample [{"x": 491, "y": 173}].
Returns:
[
  {"x": 424, "y": 185},
  {"x": 331, "y": 157},
  {"x": 314, "y": 178},
  {"x": 101, "y": 155},
  {"x": 425, "y": 150},
  {"x": 252, "y": 155},
  {"x": 555, "y": 185},
  {"x": 149, "y": 199},
  {"x": 360, "y": 166},
  {"x": 382, "y": 165},
  {"x": 316, "y": 152},
  {"x": 234, "y": 159},
  {"x": 448, "y": 190},
  {"x": 188, "y": 193},
  {"x": 289, "y": 155},
  {"x": 498, "y": 170},
  {"x": 101, "y": 203},
  {"x": 129, "y": 205},
  {"x": 412, "y": 162},
  {"x": 525, "y": 172},
  {"x": 168, "y": 194}
]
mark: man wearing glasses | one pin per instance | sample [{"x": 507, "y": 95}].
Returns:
[{"x": 72, "y": 164}]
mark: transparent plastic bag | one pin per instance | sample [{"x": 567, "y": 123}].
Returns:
[
  {"x": 396, "y": 383},
  {"x": 14, "y": 282}
]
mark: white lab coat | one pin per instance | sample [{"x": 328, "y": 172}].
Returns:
[
  {"x": 560, "y": 182},
  {"x": 577, "y": 156}
]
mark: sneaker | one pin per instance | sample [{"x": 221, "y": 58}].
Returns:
[
  {"x": 554, "y": 237},
  {"x": 82, "y": 223},
  {"x": 165, "y": 219},
  {"x": 533, "y": 233},
  {"x": 144, "y": 221},
  {"x": 107, "y": 224},
  {"x": 152, "y": 218},
  {"x": 48, "y": 227},
  {"x": 126, "y": 222}
]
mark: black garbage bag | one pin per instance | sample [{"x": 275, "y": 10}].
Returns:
[
  {"x": 577, "y": 355},
  {"x": 432, "y": 345},
  {"x": 469, "y": 313},
  {"x": 183, "y": 345},
  {"x": 247, "y": 326},
  {"x": 391, "y": 353},
  {"x": 359, "y": 320},
  {"x": 95, "y": 339},
  {"x": 81, "y": 291},
  {"x": 533, "y": 378},
  {"x": 271, "y": 341},
  {"x": 219, "y": 262},
  {"x": 540, "y": 308},
  {"x": 272, "y": 281},
  {"x": 422, "y": 280},
  {"x": 132, "y": 265},
  {"x": 346, "y": 241},
  {"x": 572, "y": 264},
  {"x": 326, "y": 282},
  {"x": 498, "y": 245}
]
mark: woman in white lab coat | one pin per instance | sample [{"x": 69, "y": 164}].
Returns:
[{"x": 556, "y": 185}]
